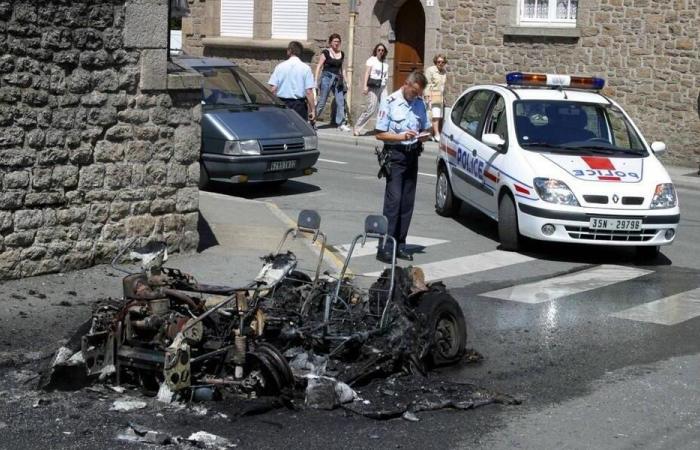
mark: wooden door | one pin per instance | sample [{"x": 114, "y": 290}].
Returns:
[{"x": 409, "y": 48}]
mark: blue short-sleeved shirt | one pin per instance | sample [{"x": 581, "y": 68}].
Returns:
[
  {"x": 398, "y": 115},
  {"x": 292, "y": 78}
]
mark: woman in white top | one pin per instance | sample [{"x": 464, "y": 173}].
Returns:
[
  {"x": 435, "y": 91},
  {"x": 374, "y": 85}
]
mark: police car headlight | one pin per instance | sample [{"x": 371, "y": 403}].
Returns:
[
  {"x": 310, "y": 142},
  {"x": 664, "y": 196},
  {"x": 554, "y": 191},
  {"x": 249, "y": 147}
]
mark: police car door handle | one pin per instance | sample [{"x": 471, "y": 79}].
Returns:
[
  {"x": 474, "y": 152},
  {"x": 451, "y": 137}
]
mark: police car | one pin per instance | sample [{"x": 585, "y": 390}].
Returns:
[{"x": 551, "y": 158}]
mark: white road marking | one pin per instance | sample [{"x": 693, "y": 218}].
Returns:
[
  {"x": 666, "y": 311},
  {"x": 468, "y": 264},
  {"x": 331, "y": 161},
  {"x": 557, "y": 287},
  {"x": 370, "y": 247},
  {"x": 427, "y": 174}
]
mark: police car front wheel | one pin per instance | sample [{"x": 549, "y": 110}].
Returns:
[
  {"x": 508, "y": 224},
  {"x": 446, "y": 204}
]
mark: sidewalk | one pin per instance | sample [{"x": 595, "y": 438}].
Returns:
[{"x": 685, "y": 177}]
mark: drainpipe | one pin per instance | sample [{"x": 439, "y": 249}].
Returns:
[{"x": 351, "y": 48}]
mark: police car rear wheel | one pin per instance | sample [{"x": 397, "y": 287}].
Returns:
[
  {"x": 446, "y": 204},
  {"x": 508, "y": 225}
]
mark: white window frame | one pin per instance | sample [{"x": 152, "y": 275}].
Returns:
[
  {"x": 237, "y": 18},
  {"x": 279, "y": 17},
  {"x": 550, "y": 21}
]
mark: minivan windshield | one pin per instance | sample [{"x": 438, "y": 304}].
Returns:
[
  {"x": 232, "y": 86},
  {"x": 575, "y": 127}
]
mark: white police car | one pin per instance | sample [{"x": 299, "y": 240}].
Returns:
[{"x": 552, "y": 158}]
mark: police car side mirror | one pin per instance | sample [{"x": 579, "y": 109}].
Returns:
[
  {"x": 658, "y": 147},
  {"x": 494, "y": 141}
]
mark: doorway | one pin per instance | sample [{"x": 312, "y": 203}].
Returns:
[{"x": 409, "y": 48}]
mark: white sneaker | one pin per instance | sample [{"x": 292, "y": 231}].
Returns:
[
  {"x": 436, "y": 138},
  {"x": 344, "y": 127}
]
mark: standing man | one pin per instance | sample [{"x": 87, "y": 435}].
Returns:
[
  {"x": 293, "y": 83},
  {"x": 402, "y": 125}
]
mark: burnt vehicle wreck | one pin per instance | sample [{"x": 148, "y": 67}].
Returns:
[{"x": 287, "y": 333}]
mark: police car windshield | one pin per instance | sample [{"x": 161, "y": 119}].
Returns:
[
  {"x": 574, "y": 127},
  {"x": 231, "y": 86}
]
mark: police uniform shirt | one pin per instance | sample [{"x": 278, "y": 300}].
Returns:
[
  {"x": 292, "y": 78},
  {"x": 398, "y": 115}
]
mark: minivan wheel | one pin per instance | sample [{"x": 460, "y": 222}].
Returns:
[
  {"x": 508, "y": 225},
  {"x": 204, "y": 180},
  {"x": 446, "y": 204},
  {"x": 648, "y": 252}
]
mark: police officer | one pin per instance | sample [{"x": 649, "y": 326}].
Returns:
[
  {"x": 402, "y": 125},
  {"x": 293, "y": 83}
]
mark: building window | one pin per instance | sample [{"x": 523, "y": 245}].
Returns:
[
  {"x": 548, "y": 12},
  {"x": 290, "y": 19},
  {"x": 237, "y": 18}
]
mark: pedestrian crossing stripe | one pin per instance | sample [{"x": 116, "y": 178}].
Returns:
[
  {"x": 666, "y": 311},
  {"x": 565, "y": 285},
  {"x": 468, "y": 264},
  {"x": 370, "y": 248}
]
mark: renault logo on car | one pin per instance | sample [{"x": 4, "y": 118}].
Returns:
[
  {"x": 615, "y": 198},
  {"x": 284, "y": 147}
]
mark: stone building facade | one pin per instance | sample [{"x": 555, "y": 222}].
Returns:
[
  {"x": 647, "y": 50},
  {"x": 98, "y": 144}
]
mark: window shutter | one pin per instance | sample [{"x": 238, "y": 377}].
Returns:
[
  {"x": 290, "y": 19},
  {"x": 237, "y": 18}
]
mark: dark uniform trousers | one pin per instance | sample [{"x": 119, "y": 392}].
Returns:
[
  {"x": 400, "y": 192},
  {"x": 297, "y": 104}
]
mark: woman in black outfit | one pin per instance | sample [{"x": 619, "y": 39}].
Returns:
[{"x": 332, "y": 79}]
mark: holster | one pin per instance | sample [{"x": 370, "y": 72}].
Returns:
[{"x": 384, "y": 160}]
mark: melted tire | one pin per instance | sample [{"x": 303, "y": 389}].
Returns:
[{"x": 447, "y": 329}]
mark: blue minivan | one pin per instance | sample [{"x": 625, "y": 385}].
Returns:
[{"x": 248, "y": 135}]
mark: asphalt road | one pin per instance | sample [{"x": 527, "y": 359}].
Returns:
[
  {"x": 602, "y": 351},
  {"x": 608, "y": 359}
]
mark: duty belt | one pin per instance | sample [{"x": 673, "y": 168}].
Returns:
[{"x": 417, "y": 146}]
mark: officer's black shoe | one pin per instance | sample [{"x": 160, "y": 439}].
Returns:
[
  {"x": 384, "y": 257},
  {"x": 402, "y": 254}
]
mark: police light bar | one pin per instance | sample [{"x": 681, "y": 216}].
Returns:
[{"x": 553, "y": 80}]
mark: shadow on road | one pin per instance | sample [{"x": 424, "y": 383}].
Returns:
[
  {"x": 254, "y": 191},
  {"x": 207, "y": 238},
  {"x": 480, "y": 224}
]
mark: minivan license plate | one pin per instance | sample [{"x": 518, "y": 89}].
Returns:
[
  {"x": 606, "y": 223},
  {"x": 282, "y": 165}
]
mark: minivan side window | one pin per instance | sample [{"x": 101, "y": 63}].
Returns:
[{"x": 474, "y": 112}]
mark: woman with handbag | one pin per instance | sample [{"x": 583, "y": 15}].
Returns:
[
  {"x": 331, "y": 78},
  {"x": 436, "y": 75},
  {"x": 374, "y": 85}
]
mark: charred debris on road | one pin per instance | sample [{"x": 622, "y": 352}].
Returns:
[{"x": 287, "y": 338}]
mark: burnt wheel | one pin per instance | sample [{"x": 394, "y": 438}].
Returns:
[{"x": 447, "y": 330}]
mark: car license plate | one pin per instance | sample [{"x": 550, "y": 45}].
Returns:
[
  {"x": 607, "y": 223},
  {"x": 282, "y": 165}
]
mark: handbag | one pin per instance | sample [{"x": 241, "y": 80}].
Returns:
[
  {"x": 373, "y": 83},
  {"x": 376, "y": 82}
]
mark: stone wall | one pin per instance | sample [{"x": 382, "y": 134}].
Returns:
[
  {"x": 647, "y": 50},
  {"x": 94, "y": 149}
]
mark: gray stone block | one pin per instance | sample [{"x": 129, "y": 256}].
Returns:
[
  {"x": 154, "y": 70},
  {"x": 146, "y": 24}
]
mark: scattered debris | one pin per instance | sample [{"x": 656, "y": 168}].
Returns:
[
  {"x": 286, "y": 338},
  {"x": 209, "y": 440},
  {"x": 125, "y": 405},
  {"x": 137, "y": 433}
]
